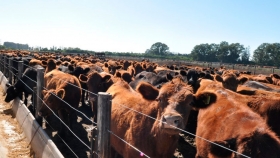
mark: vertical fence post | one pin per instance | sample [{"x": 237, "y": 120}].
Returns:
[
  {"x": 255, "y": 69},
  {"x": 5, "y": 65},
  {"x": 272, "y": 70},
  {"x": 40, "y": 85},
  {"x": 10, "y": 72},
  {"x": 20, "y": 68},
  {"x": 103, "y": 124},
  {"x": 1, "y": 62}
]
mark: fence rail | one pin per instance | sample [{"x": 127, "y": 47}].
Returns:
[{"x": 254, "y": 69}]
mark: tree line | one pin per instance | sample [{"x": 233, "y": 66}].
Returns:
[
  {"x": 267, "y": 54},
  {"x": 16, "y": 45}
]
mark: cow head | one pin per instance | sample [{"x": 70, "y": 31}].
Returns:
[
  {"x": 96, "y": 82},
  {"x": 173, "y": 104},
  {"x": 192, "y": 76},
  {"x": 112, "y": 66},
  {"x": 51, "y": 100},
  {"x": 228, "y": 80},
  {"x": 11, "y": 93}
]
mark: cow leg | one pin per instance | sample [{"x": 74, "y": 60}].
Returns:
[
  {"x": 63, "y": 131},
  {"x": 72, "y": 119},
  {"x": 31, "y": 106},
  {"x": 83, "y": 98}
]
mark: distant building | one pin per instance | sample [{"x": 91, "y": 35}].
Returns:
[{"x": 13, "y": 45}]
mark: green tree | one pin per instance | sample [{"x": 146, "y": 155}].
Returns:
[
  {"x": 159, "y": 49},
  {"x": 2, "y": 47},
  {"x": 234, "y": 52},
  {"x": 245, "y": 56},
  {"x": 205, "y": 52},
  {"x": 267, "y": 54},
  {"x": 223, "y": 51}
]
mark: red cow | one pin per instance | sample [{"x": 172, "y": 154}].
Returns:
[
  {"x": 170, "y": 106},
  {"x": 275, "y": 79},
  {"x": 68, "y": 88},
  {"x": 224, "y": 118},
  {"x": 96, "y": 82}
]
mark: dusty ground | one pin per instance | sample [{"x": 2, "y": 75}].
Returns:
[{"x": 13, "y": 143}]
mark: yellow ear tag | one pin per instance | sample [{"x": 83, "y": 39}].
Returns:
[{"x": 207, "y": 101}]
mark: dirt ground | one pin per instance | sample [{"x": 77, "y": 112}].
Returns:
[{"x": 13, "y": 143}]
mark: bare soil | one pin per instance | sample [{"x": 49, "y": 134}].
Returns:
[{"x": 13, "y": 143}]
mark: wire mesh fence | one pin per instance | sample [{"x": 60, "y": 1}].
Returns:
[{"x": 6, "y": 66}]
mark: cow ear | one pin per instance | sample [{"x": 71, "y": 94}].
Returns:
[
  {"x": 202, "y": 74},
  {"x": 204, "y": 99},
  {"x": 86, "y": 70},
  {"x": 269, "y": 79},
  {"x": 144, "y": 65},
  {"x": 276, "y": 76},
  {"x": 242, "y": 80},
  {"x": 219, "y": 78},
  {"x": 118, "y": 74},
  {"x": 148, "y": 91},
  {"x": 44, "y": 62},
  {"x": 83, "y": 78},
  {"x": 119, "y": 66},
  {"x": 169, "y": 77},
  {"x": 71, "y": 67},
  {"x": 60, "y": 93},
  {"x": 58, "y": 62},
  {"x": 106, "y": 64},
  {"x": 218, "y": 151},
  {"x": 155, "y": 66},
  {"x": 183, "y": 72},
  {"x": 106, "y": 78}
]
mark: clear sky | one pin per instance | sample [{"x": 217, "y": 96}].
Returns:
[{"x": 134, "y": 25}]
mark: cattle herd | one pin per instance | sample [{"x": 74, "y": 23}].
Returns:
[{"x": 234, "y": 114}]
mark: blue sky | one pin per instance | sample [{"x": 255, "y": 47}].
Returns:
[{"x": 134, "y": 25}]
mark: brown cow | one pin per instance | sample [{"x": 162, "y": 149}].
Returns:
[
  {"x": 111, "y": 67},
  {"x": 51, "y": 65},
  {"x": 68, "y": 88},
  {"x": 96, "y": 82},
  {"x": 170, "y": 104},
  {"x": 228, "y": 80},
  {"x": 125, "y": 75},
  {"x": 275, "y": 79},
  {"x": 224, "y": 118},
  {"x": 135, "y": 68}
]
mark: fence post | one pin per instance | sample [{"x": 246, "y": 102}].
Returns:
[
  {"x": 40, "y": 85},
  {"x": 272, "y": 70},
  {"x": 1, "y": 62},
  {"x": 10, "y": 72},
  {"x": 255, "y": 69},
  {"x": 20, "y": 68},
  {"x": 103, "y": 124},
  {"x": 5, "y": 65}
]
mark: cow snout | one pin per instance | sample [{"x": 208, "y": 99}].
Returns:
[
  {"x": 172, "y": 122},
  {"x": 190, "y": 81}
]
